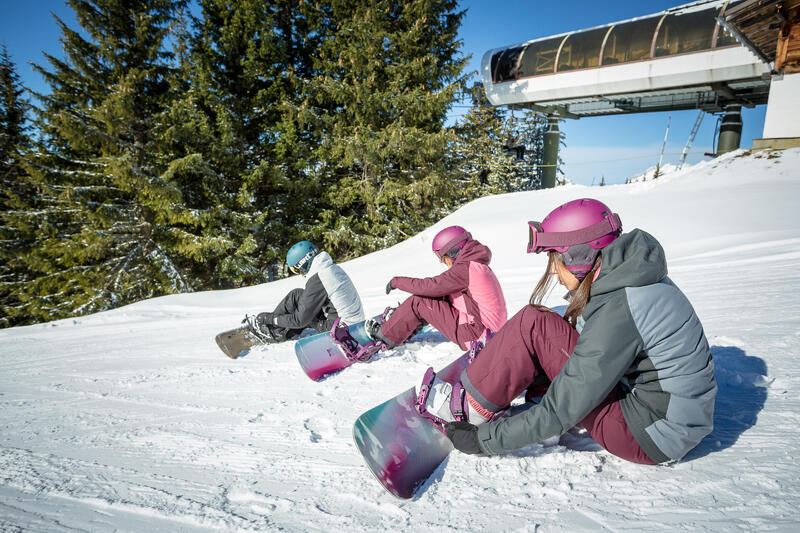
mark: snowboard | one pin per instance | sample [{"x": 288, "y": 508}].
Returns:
[
  {"x": 320, "y": 355},
  {"x": 237, "y": 342},
  {"x": 401, "y": 447}
]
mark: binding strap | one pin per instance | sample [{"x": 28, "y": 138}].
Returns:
[
  {"x": 350, "y": 346},
  {"x": 457, "y": 403}
]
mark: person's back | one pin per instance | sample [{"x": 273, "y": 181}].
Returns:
[
  {"x": 482, "y": 298},
  {"x": 669, "y": 389},
  {"x": 339, "y": 287}
]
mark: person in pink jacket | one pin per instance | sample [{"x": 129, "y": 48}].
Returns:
[{"x": 462, "y": 302}]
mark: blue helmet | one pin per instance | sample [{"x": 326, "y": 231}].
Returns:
[{"x": 300, "y": 255}]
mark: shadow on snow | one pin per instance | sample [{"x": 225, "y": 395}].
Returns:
[{"x": 742, "y": 391}]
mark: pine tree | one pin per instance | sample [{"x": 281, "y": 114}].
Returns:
[
  {"x": 202, "y": 158},
  {"x": 385, "y": 77},
  {"x": 15, "y": 238},
  {"x": 119, "y": 216},
  {"x": 13, "y": 129},
  {"x": 482, "y": 153},
  {"x": 526, "y": 135},
  {"x": 497, "y": 150},
  {"x": 246, "y": 62}
]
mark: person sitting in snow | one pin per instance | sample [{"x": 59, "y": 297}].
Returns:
[
  {"x": 639, "y": 378},
  {"x": 462, "y": 302},
  {"x": 329, "y": 294}
]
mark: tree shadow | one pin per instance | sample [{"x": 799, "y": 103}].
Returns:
[
  {"x": 428, "y": 335},
  {"x": 742, "y": 383}
]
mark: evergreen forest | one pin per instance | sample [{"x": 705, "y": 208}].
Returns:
[{"x": 185, "y": 146}]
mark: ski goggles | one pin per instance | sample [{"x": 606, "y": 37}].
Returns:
[
  {"x": 540, "y": 240},
  {"x": 441, "y": 253}
]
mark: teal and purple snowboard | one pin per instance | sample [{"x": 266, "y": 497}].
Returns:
[
  {"x": 401, "y": 447},
  {"x": 320, "y": 355}
]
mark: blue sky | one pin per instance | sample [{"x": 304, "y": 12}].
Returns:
[{"x": 611, "y": 147}]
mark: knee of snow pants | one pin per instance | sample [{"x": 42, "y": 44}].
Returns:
[
  {"x": 438, "y": 312},
  {"x": 530, "y": 342}
]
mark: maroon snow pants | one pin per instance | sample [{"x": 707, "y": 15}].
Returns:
[
  {"x": 438, "y": 312},
  {"x": 535, "y": 341}
]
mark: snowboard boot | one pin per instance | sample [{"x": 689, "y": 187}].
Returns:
[
  {"x": 373, "y": 329},
  {"x": 261, "y": 331},
  {"x": 448, "y": 403}
]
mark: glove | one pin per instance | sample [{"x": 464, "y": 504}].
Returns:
[
  {"x": 464, "y": 437},
  {"x": 389, "y": 287},
  {"x": 265, "y": 319}
]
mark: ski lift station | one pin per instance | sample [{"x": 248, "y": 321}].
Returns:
[{"x": 713, "y": 55}]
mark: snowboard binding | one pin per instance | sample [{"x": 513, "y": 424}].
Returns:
[
  {"x": 458, "y": 396},
  {"x": 264, "y": 334},
  {"x": 457, "y": 399},
  {"x": 475, "y": 348},
  {"x": 351, "y": 347}
]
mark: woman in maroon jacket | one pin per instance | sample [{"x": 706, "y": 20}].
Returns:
[{"x": 462, "y": 302}]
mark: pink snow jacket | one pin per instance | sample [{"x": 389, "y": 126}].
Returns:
[{"x": 469, "y": 284}]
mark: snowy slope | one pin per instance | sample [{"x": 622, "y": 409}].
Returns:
[{"x": 133, "y": 420}]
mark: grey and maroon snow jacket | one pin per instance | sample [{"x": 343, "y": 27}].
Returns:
[
  {"x": 640, "y": 331},
  {"x": 469, "y": 284}
]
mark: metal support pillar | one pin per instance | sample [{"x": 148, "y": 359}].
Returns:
[
  {"x": 730, "y": 131},
  {"x": 550, "y": 157}
]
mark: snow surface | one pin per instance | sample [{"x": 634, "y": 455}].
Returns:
[{"x": 133, "y": 420}]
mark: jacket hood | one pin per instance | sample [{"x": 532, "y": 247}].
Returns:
[
  {"x": 635, "y": 259},
  {"x": 320, "y": 261},
  {"x": 474, "y": 251}
]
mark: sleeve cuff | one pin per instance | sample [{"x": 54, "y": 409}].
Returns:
[{"x": 485, "y": 439}]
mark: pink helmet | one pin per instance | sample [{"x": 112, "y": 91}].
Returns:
[
  {"x": 449, "y": 237},
  {"x": 578, "y": 230}
]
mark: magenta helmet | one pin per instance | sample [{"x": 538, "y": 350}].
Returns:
[
  {"x": 449, "y": 237},
  {"x": 578, "y": 230}
]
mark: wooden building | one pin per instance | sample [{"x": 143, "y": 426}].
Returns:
[{"x": 771, "y": 30}]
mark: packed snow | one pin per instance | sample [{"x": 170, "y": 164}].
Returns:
[{"x": 133, "y": 419}]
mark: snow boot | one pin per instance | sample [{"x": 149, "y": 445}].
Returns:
[
  {"x": 373, "y": 329},
  {"x": 261, "y": 331}
]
